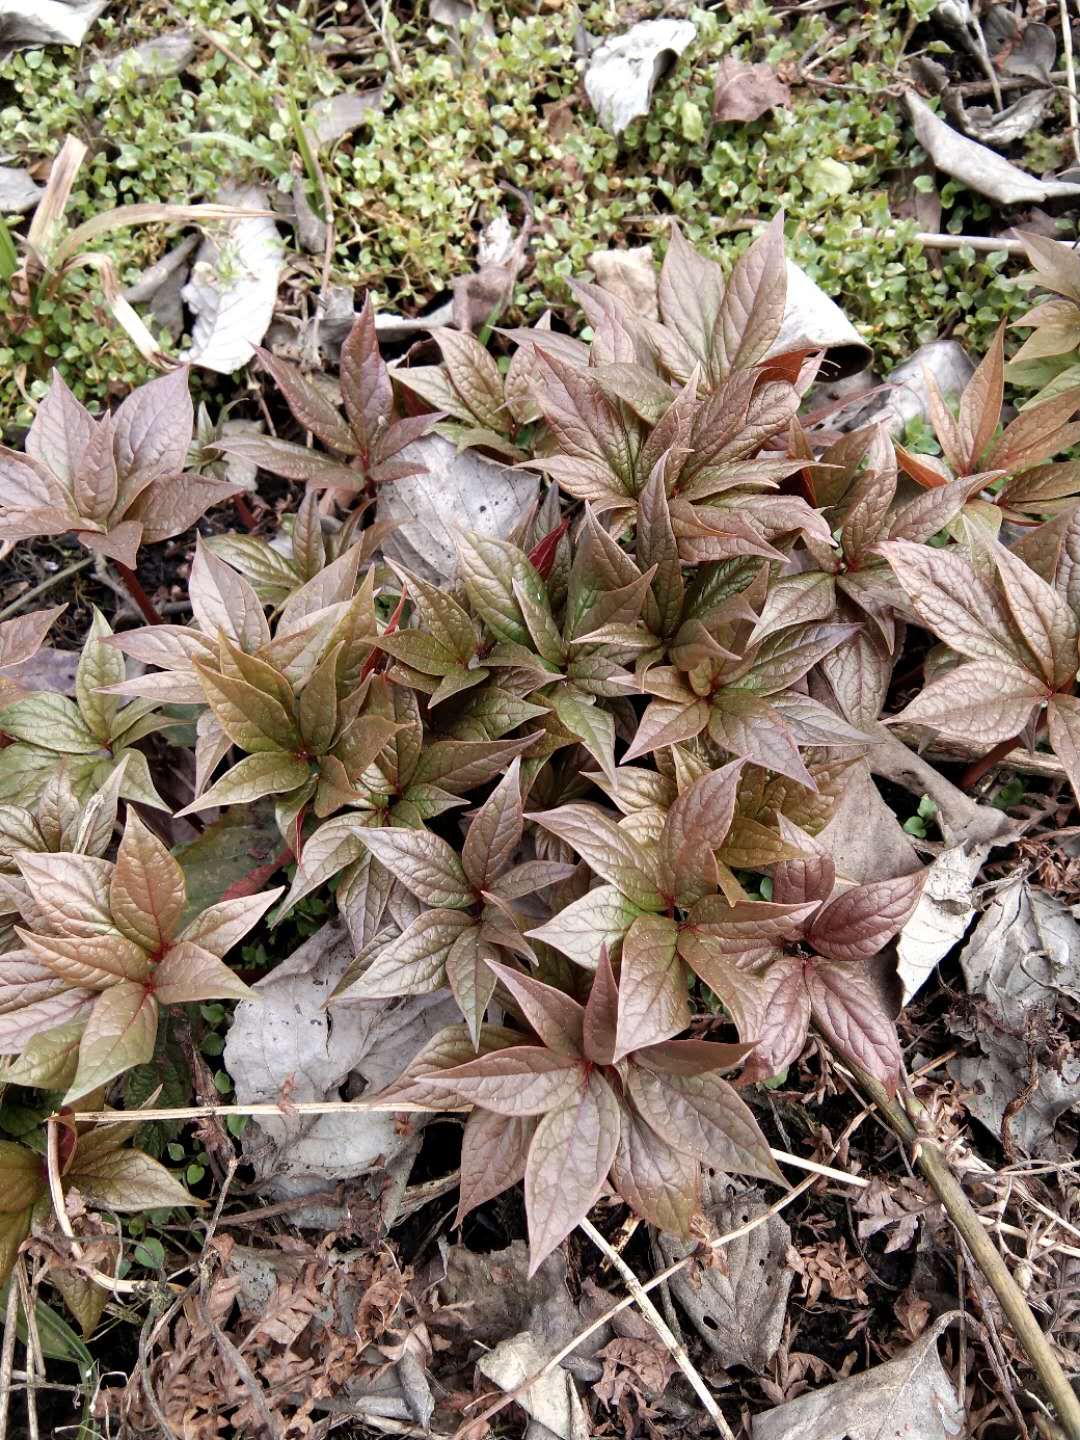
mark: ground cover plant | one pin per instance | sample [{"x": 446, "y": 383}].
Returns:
[
  {"x": 576, "y": 812},
  {"x": 460, "y": 112}
]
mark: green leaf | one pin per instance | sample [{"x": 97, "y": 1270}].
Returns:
[
  {"x": 423, "y": 863},
  {"x": 50, "y": 721},
  {"x": 146, "y": 892},
  {"x": 99, "y": 665},
  {"x": 120, "y": 1033},
  {"x": 609, "y": 850}
]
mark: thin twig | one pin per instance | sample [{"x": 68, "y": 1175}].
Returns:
[
  {"x": 1070, "y": 77},
  {"x": 113, "y": 1283},
  {"x": 659, "y": 1324},
  {"x": 232, "y": 1355},
  {"x": 61, "y": 575},
  {"x": 7, "y": 1358},
  {"x": 35, "y": 1361},
  {"x": 914, "y": 1130}
]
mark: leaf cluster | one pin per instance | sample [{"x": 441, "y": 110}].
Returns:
[{"x": 552, "y": 788}]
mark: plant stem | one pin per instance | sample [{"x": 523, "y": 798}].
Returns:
[
  {"x": 46, "y": 585},
  {"x": 133, "y": 585},
  {"x": 930, "y": 1158},
  {"x": 974, "y": 773}
]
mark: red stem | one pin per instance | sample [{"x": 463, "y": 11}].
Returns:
[
  {"x": 244, "y": 514},
  {"x": 133, "y": 585},
  {"x": 978, "y": 768}
]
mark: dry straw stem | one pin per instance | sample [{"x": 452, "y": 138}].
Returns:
[
  {"x": 370, "y": 1107},
  {"x": 659, "y": 1324},
  {"x": 930, "y": 1158},
  {"x": 113, "y": 1283}
]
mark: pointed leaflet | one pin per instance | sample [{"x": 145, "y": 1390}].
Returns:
[
  {"x": 810, "y": 877},
  {"x": 691, "y": 293},
  {"x": 957, "y": 604},
  {"x": 701, "y": 1115},
  {"x": 781, "y": 1018},
  {"x": 657, "y": 1182},
  {"x": 668, "y": 723},
  {"x": 985, "y": 700},
  {"x": 592, "y": 725},
  {"x": 520, "y": 1080},
  {"x": 653, "y": 1000},
  {"x": 1047, "y": 624},
  {"x": 980, "y": 404},
  {"x": 423, "y": 863},
  {"x": 753, "y": 305},
  {"x": 1063, "y": 723},
  {"x": 365, "y": 382},
  {"x": 119, "y": 1034},
  {"x": 61, "y": 432},
  {"x": 747, "y": 725},
  {"x": 309, "y": 404},
  {"x": 99, "y": 665},
  {"x": 187, "y": 973},
  {"x": 696, "y": 825},
  {"x": 601, "y": 917},
  {"x": 600, "y": 1024},
  {"x": 49, "y": 1060},
  {"x": 495, "y": 832},
  {"x": 474, "y": 375},
  {"x": 147, "y": 895},
  {"x": 613, "y": 854},
  {"x": 555, "y": 1017},
  {"x": 470, "y": 977},
  {"x": 71, "y": 890},
  {"x": 656, "y": 545},
  {"x": 271, "y": 773},
  {"x": 92, "y": 962},
  {"x": 95, "y": 484},
  {"x": 222, "y": 600},
  {"x": 494, "y": 1151},
  {"x": 569, "y": 1160},
  {"x": 221, "y": 926},
  {"x": 861, "y": 921},
  {"x": 414, "y": 963},
  {"x": 125, "y": 1180},
  {"x": 848, "y": 1012}
]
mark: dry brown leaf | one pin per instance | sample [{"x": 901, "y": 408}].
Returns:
[{"x": 743, "y": 92}]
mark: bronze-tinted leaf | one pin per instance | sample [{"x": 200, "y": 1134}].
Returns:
[
  {"x": 861, "y": 921},
  {"x": 653, "y": 996},
  {"x": 701, "y": 1115},
  {"x": 656, "y": 1181},
  {"x": 848, "y": 1011},
  {"x": 494, "y": 1151},
  {"x": 119, "y": 1034},
  {"x": 569, "y": 1159},
  {"x": 146, "y": 892}
]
